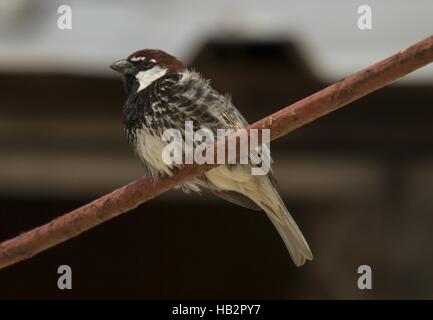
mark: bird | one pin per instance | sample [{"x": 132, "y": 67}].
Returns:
[{"x": 163, "y": 93}]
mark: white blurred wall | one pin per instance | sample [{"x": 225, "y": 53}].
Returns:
[{"x": 106, "y": 30}]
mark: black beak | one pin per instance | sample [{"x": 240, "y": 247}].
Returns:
[{"x": 122, "y": 66}]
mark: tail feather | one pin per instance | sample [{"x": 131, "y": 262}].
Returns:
[
  {"x": 261, "y": 190},
  {"x": 292, "y": 236},
  {"x": 286, "y": 227}
]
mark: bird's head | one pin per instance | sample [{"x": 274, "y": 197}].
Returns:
[{"x": 143, "y": 67}]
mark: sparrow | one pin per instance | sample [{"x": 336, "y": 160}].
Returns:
[{"x": 163, "y": 93}]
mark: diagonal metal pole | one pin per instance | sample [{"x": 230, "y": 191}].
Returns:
[{"x": 128, "y": 197}]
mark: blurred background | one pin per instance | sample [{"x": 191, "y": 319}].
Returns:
[{"x": 359, "y": 182}]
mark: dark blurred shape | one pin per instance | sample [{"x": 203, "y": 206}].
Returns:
[
  {"x": 247, "y": 69},
  {"x": 359, "y": 187}
]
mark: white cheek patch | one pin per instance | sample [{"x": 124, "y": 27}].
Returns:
[{"x": 145, "y": 78}]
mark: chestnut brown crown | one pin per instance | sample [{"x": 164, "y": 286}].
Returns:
[
  {"x": 157, "y": 57},
  {"x": 147, "y": 59}
]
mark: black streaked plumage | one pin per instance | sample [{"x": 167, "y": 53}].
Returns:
[{"x": 163, "y": 94}]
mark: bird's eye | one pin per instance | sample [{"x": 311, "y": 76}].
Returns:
[
  {"x": 146, "y": 64},
  {"x": 143, "y": 63}
]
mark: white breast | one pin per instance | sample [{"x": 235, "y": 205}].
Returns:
[{"x": 149, "y": 148}]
